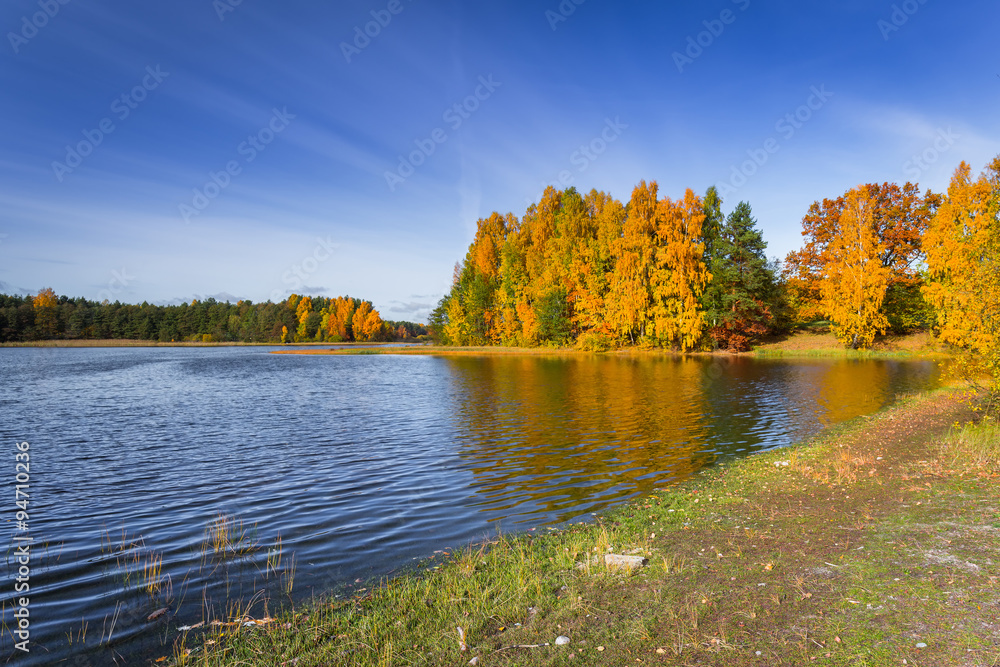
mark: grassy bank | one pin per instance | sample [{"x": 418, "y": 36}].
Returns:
[
  {"x": 872, "y": 544},
  {"x": 810, "y": 342},
  {"x": 445, "y": 351},
  {"x": 819, "y": 342}
]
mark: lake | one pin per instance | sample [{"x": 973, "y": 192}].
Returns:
[{"x": 202, "y": 480}]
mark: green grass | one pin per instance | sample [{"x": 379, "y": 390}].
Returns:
[
  {"x": 973, "y": 448},
  {"x": 840, "y": 353}
]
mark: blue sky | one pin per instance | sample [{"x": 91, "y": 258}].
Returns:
[{"x": 166, "y": 151}]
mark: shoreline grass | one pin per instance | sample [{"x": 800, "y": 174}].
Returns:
[
  {"x": 807, "y": 343},
  {"x": 804, "y": 344},
  {"x": 474, "y": 351},
  {"x": 865, "y": 545}
]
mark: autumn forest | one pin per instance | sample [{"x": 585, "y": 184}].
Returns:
[{"x": 676, "y": 273}]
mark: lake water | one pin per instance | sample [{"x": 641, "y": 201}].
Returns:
[{"x": 347, "y": 467}]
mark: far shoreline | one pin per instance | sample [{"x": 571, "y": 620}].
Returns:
[{"x": 123, "y": 342}]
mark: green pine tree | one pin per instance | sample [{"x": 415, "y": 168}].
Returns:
[{"x": 744, "y": 290}]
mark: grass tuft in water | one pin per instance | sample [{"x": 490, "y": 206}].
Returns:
[{"x": 229, "y": 537}]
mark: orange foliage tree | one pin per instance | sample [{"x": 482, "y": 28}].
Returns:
[
  {"x": 630, "y": 296},
  {"x": 339, "y": 317},
  {"x": 44, "y": 306},
  {"x": 368, "y": 324},
  {"x": 853, "y": 285},
  {"x": 302, "y": 312},
  {"x": 679, "y": 275},
  {"x": 899, "y": 217},
  {"x": 584, "y": 269},
  {"x": 963, "y": 265}
]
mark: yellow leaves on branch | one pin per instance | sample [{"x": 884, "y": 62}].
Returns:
[
  {"x": 342, "y": 319},
  {"x": 679, "y": 276},
  {"x": 630, "y": 298},
  {"x": 855, "y": 280},
  {"x": 44, "y": 305},
  {"x": 303, "y": 310},
  {"x": 963, "y": 263},
  {"x": 660, "y": 271},
  {"x": 900, "y": 215},
  {"x": 45, "y": 299},
  {"x": 338, "y": 321},
  {"x": 367, "y": 322}
]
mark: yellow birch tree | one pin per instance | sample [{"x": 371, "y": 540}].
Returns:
[
  {"x": 44, "y": 305},
  {"x": 855, "y": 281},
  {"x": 629, "y": 297},
  {"x": 963, "y": 264},
  {"x": 679, "y": 275},
  {"x": 302, "y": 312}
]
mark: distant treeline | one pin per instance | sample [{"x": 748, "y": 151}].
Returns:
[{"x": 297, "y": 319}]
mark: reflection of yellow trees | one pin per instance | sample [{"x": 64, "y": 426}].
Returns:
[
  {"x": 565, "y": 436},
  {"x": 849, "y": 388},
  {"x": 575, "y": 434}
]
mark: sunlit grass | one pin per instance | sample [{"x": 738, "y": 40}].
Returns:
[
  {"x": 136, "y": 566},
  {"x": 274, "y": 555},
  {"x": 153, "y": 580},
  {"x": 229, "y": 537},
  {"x": 833, "y": 353},
  {"x": 973, "y": 448},
  {"x": 288, "y": 581}
]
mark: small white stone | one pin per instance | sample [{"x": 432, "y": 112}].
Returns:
[
  {"x": 921, "y": 645},
  {"x": 474, "y": 661},
  {"x": 562, "y": 639},
  {"x": 623, "y": 562}
]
